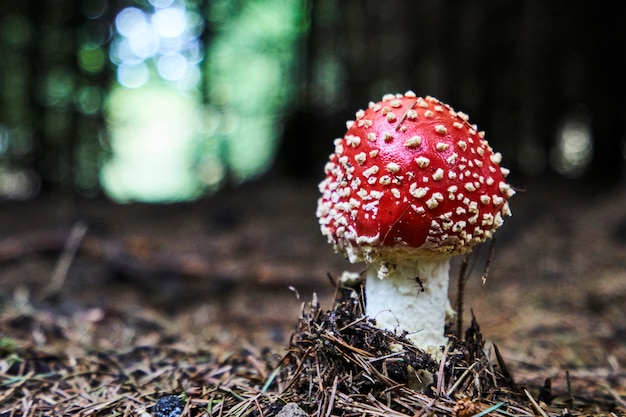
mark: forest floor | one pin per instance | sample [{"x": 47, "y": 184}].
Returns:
[{"x": 88, "y": 287}]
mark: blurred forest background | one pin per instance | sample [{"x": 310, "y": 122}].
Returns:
[{"x": 170, "y": 100}]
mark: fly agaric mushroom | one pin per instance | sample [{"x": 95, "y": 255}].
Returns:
[{"x": 410, "y": 185}]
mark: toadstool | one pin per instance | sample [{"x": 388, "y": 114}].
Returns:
[{"x": 410, "y": 185}]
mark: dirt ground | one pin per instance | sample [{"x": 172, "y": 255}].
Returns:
[{"x": 235, "y": 268}]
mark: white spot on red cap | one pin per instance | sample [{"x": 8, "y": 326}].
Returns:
[
  {"x": 418, "y": 192},
  {"x": 392, "y": 167},
  {"x": 441, "y": 129},
  {"x": 413, "y": 142},
  {"x": 438, "y": 174},
  {"x": 373, "y": 170},
  {"x": 434, "y": 200},
  {"x": 452, "y": 158},
  {"x": 353, "y": 141},
  {"x": 360, "y": 158},
  {"x": 422, "y": 161},
  {"x": 497, "y": 200},
  {"x": 469, "y": 186}
]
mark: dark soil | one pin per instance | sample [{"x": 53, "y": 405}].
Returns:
[{"x": 184, "y": 289}]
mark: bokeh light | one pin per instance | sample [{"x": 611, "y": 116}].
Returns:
[
  {"x": 89, "y": 100},
  {"x": 172, "y": 67},
  {"x": 166, "y": 39},
  {"x": 133, "y": 76},
  {"x": 153, "y": 132},
  {"x": 573, "y": 150},
  {"x": 130, "y": 22},
  {"x": 91, "y": 60},
  {"x": 161, "y": 3},
  {"x": 169, "y": 22},
  {"x": 145, "y": 44},
  {"x": 57, "y": 87},
  {"x": 19, "y": 184}
]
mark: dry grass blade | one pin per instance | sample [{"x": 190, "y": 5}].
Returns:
[
  {"x": 535, "y": 404},
  {"x": 65, "y": 260}
]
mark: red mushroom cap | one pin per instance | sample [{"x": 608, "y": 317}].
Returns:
[{"x": 411, "y": 177}]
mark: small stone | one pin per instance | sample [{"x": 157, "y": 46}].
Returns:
[
  {"x": 168, "y": 406},
  {"x": 292, "y": 410}
]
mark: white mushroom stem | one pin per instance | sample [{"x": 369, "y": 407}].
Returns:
[{"x": 411, "y": 296}]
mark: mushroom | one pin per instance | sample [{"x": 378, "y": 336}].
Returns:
[{"x": 410, "y": 185}]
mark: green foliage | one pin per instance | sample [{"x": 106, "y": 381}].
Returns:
[{"x": 252, "y": 76}]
